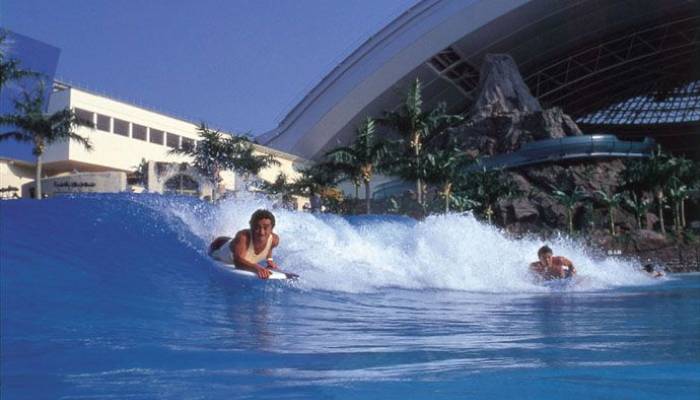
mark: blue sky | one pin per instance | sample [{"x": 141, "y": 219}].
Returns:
[{"x": 238, "y": 65}]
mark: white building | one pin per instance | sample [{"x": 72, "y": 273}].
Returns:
[{"x": 123, "y": 137}]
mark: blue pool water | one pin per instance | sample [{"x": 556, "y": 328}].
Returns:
[{"x": 113, "y": 297}]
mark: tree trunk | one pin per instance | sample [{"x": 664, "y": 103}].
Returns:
[
  {"x": 660, "y": 201},
  {"x": 357, "y": 190},
  {"x": 215, "y": 183},
  {"x": 37, "y": 189},
  {"x": 570, "y": 218},
  {"x": 213, "y": 191},
  {"x": 612, "y": 221},
  {"x": 447, "y": 190},
  {"x": 368, "y": 197},
  {"x": 419, "y": 192},
  {"x": 637, "y": 210},
  {"x": 416, "y": 153},
  {"x": 639, "y": 220},
  {"x": 683, "y": 224}
]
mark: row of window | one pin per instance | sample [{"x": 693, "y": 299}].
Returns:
[
  {"x": 135, "y": 131},
  {"x": 681, "y": 105}
]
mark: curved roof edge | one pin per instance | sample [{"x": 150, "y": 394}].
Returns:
[
  {"x": 382, "y": 60},
  {"x": 385, "y": 34}
]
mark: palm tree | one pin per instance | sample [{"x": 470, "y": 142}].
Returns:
[
  {"x": 318, "y": 180},
  {"x": 611, "y": 201},
  {"x": 639, "y": 204},
  {"x": 34, "y": 126},
  {"x": 9, "y": 68},
  {"x": 280, "y": 187},
  {"x": 657, "y": 172},
  {"x": 570, "y": 199},
  {"x": 443, "y": 167},
  {"x": 210, "y": 156},
  {"x": 463, "y": 202},
  {"x": 651, "y": 175},
  {"x": 216, "y": 152},
  {"x": 347, "y": 172},
  {"x": 362, "y": 157},
  {"x": 484, "y": 188},
  {"x": 677, "y": 193},
  {"x": 685, "y": 179},
  {"x": 245, "y": 161},
  {"x": 139, "y": 174},
  {"x": 415, "y": 126}
]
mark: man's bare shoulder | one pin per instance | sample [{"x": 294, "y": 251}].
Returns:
[
  {"x": 275, "y": 240},
  {"x": 564, "y": 261},
  {"x": 242, "y": 235}
]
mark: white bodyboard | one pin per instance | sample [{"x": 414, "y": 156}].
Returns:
[{"x": 275, "y": 274}]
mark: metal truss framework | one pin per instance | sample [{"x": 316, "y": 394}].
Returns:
[
  {"x": 652, "y": 106},
  {"x": 613, "y": 70},
  {"x": 456, "y": 70}
]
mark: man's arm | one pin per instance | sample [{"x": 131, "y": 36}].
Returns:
[
  {"x": 275, "y": 242},
  {"x": 563, "y": 267},
  {"x": 536, "y": 268},
  {"x": 568, "y": 263},
  {"x": 239, "y": 247}
]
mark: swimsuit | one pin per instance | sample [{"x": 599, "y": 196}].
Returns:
[{"x": 225, "y": 254}]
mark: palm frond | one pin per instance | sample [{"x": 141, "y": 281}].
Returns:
[{"x": 18, "y": 136}]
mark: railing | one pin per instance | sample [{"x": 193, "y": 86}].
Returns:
[
  {"x": 568, "y": 148},
  {"x": 391, "y": 188}
]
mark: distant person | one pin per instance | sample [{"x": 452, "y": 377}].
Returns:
[
  {"x": 651, "y": 271},
  {"x": 550, "y": 266},
  {"x": 250, "y": 246},
  {"x": 315, "y": 203}
]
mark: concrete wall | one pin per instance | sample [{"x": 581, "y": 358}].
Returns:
[
  {"x": 16, "y": 174},
  {"x": 122, "y": 152},
  {"x": 84, "y": 182}
]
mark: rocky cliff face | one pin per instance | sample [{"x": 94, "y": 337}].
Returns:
[
  {"x": 501, "y": 89},
  {"x": 537, "y": 209},
  {"x": 505, "y": 115}
]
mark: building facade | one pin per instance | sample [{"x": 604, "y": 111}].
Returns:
[{"x": 126, "y": 140}]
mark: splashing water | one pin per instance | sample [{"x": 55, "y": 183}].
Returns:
[{"x": 365, "y": 253}]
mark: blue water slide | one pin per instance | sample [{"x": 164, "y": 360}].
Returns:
[{"x": 568, "y": 148}]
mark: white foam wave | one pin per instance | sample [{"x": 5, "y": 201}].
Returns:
[{"x": 454, "y": 252}]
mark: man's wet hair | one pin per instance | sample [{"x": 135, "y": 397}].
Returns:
[
  {"x": 544, "y": 250},
  {"x": 648, "y": 268},
  {"x": 262, "y": 214}
]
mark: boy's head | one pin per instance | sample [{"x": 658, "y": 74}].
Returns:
[{"x": 545, "y": 255}]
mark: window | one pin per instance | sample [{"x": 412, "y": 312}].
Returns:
[
  {"x": 85, "y": 118},
  {"x": 187, "y": 144},
  {"x": 138, "y": 132},
  {"x": 121, "y": 127},
  {"x": 182, "y": 184},
  {"x": 173, "y": 141},
  {"x": 156, "y": 136},
  {"x": 104, "y": 123}
]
